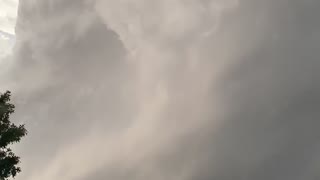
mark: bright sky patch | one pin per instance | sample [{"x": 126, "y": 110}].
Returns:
[{"x": 8, "y": 17}]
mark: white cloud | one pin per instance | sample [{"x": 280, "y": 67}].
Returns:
[{"x": 8, "y": 15}]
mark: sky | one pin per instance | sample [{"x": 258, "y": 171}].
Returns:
[
  {"x": 165, "y": 90},
  {"x": 8, "y": 16}
]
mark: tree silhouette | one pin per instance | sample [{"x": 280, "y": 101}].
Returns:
[{"x": 9, "y": 134}]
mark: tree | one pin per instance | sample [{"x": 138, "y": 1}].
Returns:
[{"x": 9, "y": 134}]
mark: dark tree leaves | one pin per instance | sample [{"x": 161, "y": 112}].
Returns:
[{"x": 9, "y": 134}]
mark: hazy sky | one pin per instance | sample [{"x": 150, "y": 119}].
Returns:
[
  {"x": 166, "y": 90},
  {"x": 8, "y": 16}
]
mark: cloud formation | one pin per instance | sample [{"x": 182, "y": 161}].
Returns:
[
  {"x": 8, "y": 15},
  {"x": 149, "y": 89}
]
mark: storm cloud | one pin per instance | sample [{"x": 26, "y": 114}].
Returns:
[{"x": 174, "y": 90}]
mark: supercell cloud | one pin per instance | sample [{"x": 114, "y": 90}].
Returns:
[{"x": 167, "y": 90}]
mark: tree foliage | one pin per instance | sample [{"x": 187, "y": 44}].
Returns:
[{"x": 9, "y": 134}]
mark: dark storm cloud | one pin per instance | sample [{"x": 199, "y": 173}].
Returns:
[
  {"x": 271, "y": 97},
  {"x": 114, "y": 95}
]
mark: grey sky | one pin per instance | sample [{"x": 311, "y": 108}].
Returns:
[{"x": 167, "y": 90}]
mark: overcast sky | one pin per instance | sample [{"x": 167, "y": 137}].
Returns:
[{"x": 165, "y": 90}]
